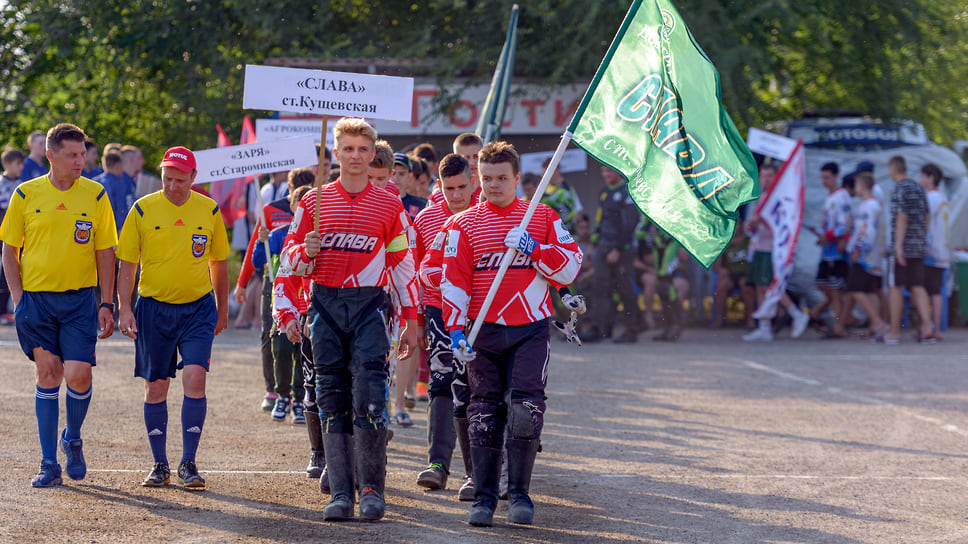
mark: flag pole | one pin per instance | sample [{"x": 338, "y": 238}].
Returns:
[
  {"x": 319, "y": 173},
  {"x": 509, "y": 254},
  {"x": 263, "y": 223}
]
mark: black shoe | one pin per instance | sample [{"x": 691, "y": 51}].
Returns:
[
  {"x": 160, "y": 475},
  {"x": 317, "y": 461},
  {"x": 188, "y": 476}
]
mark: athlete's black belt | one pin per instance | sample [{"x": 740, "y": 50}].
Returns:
[{"x": 341, "y": 292}]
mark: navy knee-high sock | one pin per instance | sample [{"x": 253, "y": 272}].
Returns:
[
  {"x": 46, "y": 404},
  {"x": 77, "y": 404},
  {"x": 193, "y": 419},
  {"x": 156, "y": 423}
]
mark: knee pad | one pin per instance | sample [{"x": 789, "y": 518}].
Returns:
[{"x": 521, "y": 418}]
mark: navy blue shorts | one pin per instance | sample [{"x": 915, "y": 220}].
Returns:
[
  {"x": 164, "y": 327},
  {"x": 63, "y": 323}
]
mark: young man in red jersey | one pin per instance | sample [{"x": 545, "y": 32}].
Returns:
[
  {"x": 448, "y": 386},
  {"x": 354, "y": 251},
  {"x": 508, "y": 364},
  {"x": 467, "y": 145}
]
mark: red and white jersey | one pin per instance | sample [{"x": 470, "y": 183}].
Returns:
[
  {"x": 428, "y": 225},
  {"x": 474, "y": 249},
  {"x": 290, "y": 294},
  {"x": 364, "y": 242},
  {"x": 276, "y": 217},
  {"x": 392, "y": 188},
  {"x": 431, "y": 267},
  {"x": 437, "y": 196}
]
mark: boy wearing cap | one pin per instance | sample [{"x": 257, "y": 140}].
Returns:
[
  {"x": 178, "y": 236},
  {"x": 66, "y": 228},
  {"x": 403, "y": 178}
]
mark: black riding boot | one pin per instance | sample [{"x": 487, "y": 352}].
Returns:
[
  {"x": 339, "y": 464},
  {"x": 441, "y": 436},
  {"x": 317, "y": 459},
  {"x": 487, "y": 470},
  {"x": 371, "y": 458},
  {"x": 521, "y": 454}
]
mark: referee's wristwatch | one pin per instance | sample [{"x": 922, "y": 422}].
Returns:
[{"x": 108, "y": 305}]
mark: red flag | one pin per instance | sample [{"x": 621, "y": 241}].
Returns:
[
  {"x": 240, "y": 185},
  {"x": 222, "y": 191}
]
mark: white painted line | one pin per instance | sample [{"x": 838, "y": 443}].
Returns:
[
  {"x": 945, "y": 426},
  {"x": 780, "y": 373}
]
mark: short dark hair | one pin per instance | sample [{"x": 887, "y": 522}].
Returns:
[
  {"x": 865, "y": 179},
  {"x": 33, "y": 135},
  {"x": 498, "y": 152},
  {"x": 426, "y": 152},
  {"x": 112, "y": 159},
  {"x": 932, "y": 171},
  {"x": 530, "y": 179},
  {"x": 418, "y": 167},
  {"x": 849, "y": 181},
  {"x": 301, "y": 177},
  {"x": 11, "y": 155},
  {"x": 298, "y": 192},
  {"x": 90, "y": 144},
  {"x": 326, "y": 152},
  {"x": 897, "y": 162},
  {"x": 830, "y": 167},
  {"x": 382, "y": 155},
  {"x": 58, "y": 134},
  {"x": 453, "y": 165},
  {"x": 467, "y": 138}
]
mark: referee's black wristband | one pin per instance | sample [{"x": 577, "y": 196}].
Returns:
[{"x": 108, "y": 305}]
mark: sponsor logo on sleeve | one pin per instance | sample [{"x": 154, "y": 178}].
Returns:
[{"x": 450, "y": 250}]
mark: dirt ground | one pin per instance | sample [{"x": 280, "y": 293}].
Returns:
[{"x": 708, "y": 441}]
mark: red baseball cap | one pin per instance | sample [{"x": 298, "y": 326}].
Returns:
[{"x": 179, "y": 157}]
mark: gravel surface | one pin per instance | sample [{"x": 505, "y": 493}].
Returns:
[{"x": 710, "y": 440}]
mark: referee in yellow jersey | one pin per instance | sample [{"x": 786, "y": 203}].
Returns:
[
  {"x": 178, "y": 236},
  {"x": 64, "y": 224}
]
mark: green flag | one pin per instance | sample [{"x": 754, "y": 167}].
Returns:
[
  {"x": 492, "y": 114},
  {"x": 654, "y": 113}
]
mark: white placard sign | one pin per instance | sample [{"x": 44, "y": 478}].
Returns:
[
  {"x": 319, "y": 92},
  {"x": 268, "y": 130},
  {"x": 572, "y": 160},
  {"x": 260, "y": 158},
  {"x": 769, "y": 144}
]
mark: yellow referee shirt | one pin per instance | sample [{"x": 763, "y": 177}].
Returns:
[
  {"x": 174, "y": 245},
  {"x": 59, "y": 232}
]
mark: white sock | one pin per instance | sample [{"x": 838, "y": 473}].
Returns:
[
  {"x": 766, "y": 324},
  {"x": 794, "y": 311}
]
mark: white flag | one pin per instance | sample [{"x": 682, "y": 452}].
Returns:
[{"x": 782, "y": 211}]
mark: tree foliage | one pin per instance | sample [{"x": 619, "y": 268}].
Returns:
[{"x": 159, "y": 72}]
